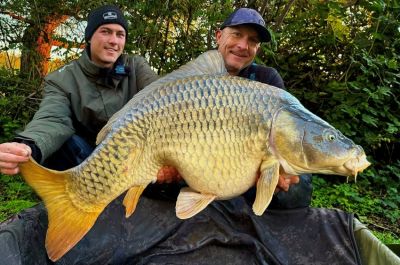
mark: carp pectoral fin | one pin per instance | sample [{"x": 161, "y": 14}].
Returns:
[
  {"x": 190, "y": 202},
  {"x": 131, "y": 199},
  {"x": 266, "y": 185},
  {"x": 67, "y": 223}
]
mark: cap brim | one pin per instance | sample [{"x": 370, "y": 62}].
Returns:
[{"x": 263, "y": 33}]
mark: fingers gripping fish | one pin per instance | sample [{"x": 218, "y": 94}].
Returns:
[{"x": 223, "y": 134}]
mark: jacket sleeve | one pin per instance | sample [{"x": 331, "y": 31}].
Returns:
[
  {"x": 36, "y": 153},
  {"x": 144, "y": 74},
  {"x": 51, "y": 125}
]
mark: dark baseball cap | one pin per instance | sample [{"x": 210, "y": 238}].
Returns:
[
  {"x": 248, "y": 16},
  {"x": 107, "y": 14}
]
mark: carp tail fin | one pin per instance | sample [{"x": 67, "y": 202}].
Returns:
[
  {"x": 67, "y": 223},
  {"x": 190, "y": 203}
]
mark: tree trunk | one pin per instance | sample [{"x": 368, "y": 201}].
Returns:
[{"x": 37, "y": 43}]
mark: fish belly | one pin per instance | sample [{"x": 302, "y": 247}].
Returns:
[{"x": 210, "y": 132}]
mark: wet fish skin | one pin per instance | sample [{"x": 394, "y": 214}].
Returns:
[
  {"x": 223, "y": 134},
  {"x": 206, "y": 133}
]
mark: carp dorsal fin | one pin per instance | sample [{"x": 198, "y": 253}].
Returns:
[
  {"x": 208, "y": 63},
  {"x": 190, "y": 202}
]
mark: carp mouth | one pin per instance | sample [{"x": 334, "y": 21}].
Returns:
[{"x": 356, "y": 165}]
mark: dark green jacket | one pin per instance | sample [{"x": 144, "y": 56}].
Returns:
[{"x": 80, "y": 97}]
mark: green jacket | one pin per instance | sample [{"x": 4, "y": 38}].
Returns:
[{"x": 80, "y": 97}]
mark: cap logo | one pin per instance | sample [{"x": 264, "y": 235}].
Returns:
[{"x": 110, "y": 15}]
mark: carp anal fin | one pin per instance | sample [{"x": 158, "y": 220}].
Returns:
[
  {"x": 131, "y": 199},
  {"x": 266, "y": 185},
  {"x": 67, "y": 223},
  {"x": 190, "y": 203}
]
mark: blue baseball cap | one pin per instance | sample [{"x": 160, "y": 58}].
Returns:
[{"x": 248, "y": 16}]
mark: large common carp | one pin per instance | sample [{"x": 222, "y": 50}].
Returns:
[{"x": 223, "y": 134}]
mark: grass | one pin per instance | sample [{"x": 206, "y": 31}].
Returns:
[{"x": 15, "y": 196}]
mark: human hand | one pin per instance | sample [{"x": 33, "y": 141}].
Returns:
[
  {"x": 11, "y": 154},
  {"x": 168, "y": 174},
  {"x": 285, "y": 181}
]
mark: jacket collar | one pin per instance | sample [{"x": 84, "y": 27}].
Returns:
[{"x": 109, "y": 77}]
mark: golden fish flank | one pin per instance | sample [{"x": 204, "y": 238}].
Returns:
[{"x": 223, "y": 134}]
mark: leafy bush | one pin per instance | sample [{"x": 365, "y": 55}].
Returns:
[{"x": 18, "y": 102}]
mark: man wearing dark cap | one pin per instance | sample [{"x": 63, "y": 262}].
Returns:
[{"x": 80, "y": 97}]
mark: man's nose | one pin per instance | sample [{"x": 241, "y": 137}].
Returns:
[
  {"x": 243, "y": 44},
  {"x": 113, "y": 38}
]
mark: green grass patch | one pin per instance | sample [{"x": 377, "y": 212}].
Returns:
[
  {"x": 16, "y": 195},
  {"x": 12, "y": 207}
]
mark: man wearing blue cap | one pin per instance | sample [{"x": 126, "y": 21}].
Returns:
[{"x": 239, "y": 38}]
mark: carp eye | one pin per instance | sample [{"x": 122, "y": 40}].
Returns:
[{"x": 330, "y": 135}]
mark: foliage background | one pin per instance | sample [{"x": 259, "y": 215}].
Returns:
[{"x": 340, "y": 58}]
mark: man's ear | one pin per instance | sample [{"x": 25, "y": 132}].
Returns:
[{"x": 218, "y": 34}]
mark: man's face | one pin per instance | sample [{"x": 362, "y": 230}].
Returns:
[
  {"x": 238, "y": 45},
  {"x": 107, "y": 44}
]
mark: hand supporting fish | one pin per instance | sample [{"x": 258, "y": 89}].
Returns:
[{"x": 223, "y": 134}]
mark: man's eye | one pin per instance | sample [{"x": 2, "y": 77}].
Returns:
[{"x": 254, "y": 41}]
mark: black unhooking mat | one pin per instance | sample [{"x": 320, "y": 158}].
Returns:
[{"x": 226, "y": 232}]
